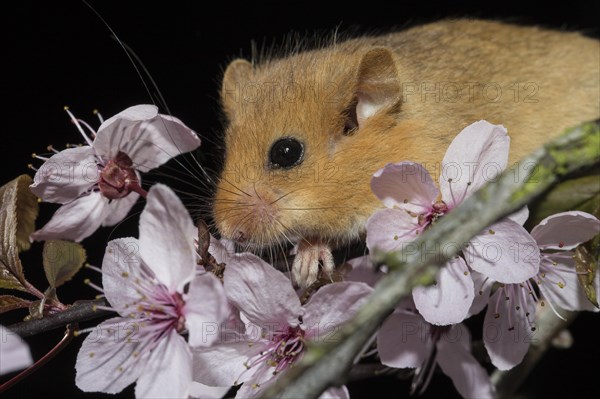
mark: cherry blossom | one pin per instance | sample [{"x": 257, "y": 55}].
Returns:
[
  {"x": 14, "y": 352},
  {"x": 509, "y": 325},
  {"x": 477, "y": 154},
  {"x": 98, "y": 183},
  {"x": 277, "y": 326},
  {"x": 152, "y": 283},
  {"x": 406, "y": 340}
]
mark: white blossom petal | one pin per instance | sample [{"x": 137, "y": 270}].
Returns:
[
  {"x": 75, "y": 220},
  {"x": 225, "y": 364},
  {"x": 167, "y": 238},
  {"x": 405, "y": 185},
  {"x": 110, "y": 359},
  {"x": 201, "y": 391},
  {"x": 507, "y": 332},
  {"x": 404, "y": 340},
  {"x": 563, "y": 288},
  {"x": 114, "y": 132},
  {"x": 256, "y": 386},
  {"x": 147, "y": 137},
  {"x": 330, "y": 307},
  {"x": 66, "y": 175},
  {"x": 456, "y": 361},
  {"x": 478, "y": 154},
  {"x": 391, "y": 230},
  {"x": 117, "y": 209},
  {"x": 504, "y": 252},
  {"x": 482, "y": 286},
  {"x": 168, "y": 371},
  {"x": 14, "y": 352},
  {"x": 520, "y": 216},
  {"x": 205, "y": 308},
  {"x": 135, "y": 113},
  {"x": 449, "y": 300},
  {"x": 233, "y": 328},
  {"x": 221, "y": 249},
  {"x": 565, "y": 230},
  {"x": 262, "y": 293},
  {"x": 121, "y": 266}
]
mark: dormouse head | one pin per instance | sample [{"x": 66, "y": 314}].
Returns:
[{"x": 301, "y": 143}]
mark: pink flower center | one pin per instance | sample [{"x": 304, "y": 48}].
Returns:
[
  {"x": 118, "y": 178},
  {"x": 154, "y": 313},
  {"x": 163, "y": 308},
  {"x": 438, "y": 209},
  {"x": 287, "y": 348},
  {"x": 282, "y": 351}
]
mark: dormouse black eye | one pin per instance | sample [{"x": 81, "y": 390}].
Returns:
[{"x": 285, "y": 153}]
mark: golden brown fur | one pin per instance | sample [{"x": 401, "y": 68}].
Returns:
[{"x": 328, "y": 197}]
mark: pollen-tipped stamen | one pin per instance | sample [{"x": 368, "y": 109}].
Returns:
[
  {"x": 87, "y": 281},
  {"x": 78, "y": 125},
  {"x": 99, "y": 115},
  {"x": 88, "y": 127}
]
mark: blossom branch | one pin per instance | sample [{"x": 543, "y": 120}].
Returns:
[
  {"x": 79, "y": 312},
  {"x": 548, "y": 326},
  {"x": 328, "y": 363}
]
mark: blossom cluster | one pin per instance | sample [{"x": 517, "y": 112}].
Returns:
[
  {"x": 504, "y": 268},
  {"x": 182, "y": 329}
]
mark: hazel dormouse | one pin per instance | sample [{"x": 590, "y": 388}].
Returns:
[{"x": 306, "y": 131}]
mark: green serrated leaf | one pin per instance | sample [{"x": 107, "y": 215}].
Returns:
[
  {"x": 587, "y": 265},
  {"x": 9, "y": 302},
  {"x": 581, "y": 193},
  {"x": 62, "y": 260},
  {"x": 14, "y": 204}
]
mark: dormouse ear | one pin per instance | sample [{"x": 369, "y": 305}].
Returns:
[
  {"x": 237, "y": 74},
  {"x": 378, "y": 86}
]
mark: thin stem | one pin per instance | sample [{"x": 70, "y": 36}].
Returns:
[
  {"x": 67, "y": 338},
  {"x": 32, "y": 290}
]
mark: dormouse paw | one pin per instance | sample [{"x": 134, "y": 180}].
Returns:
[{"x": 305, "y": 268}]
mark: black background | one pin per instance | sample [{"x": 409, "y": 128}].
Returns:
[{"x": 60, "y": 53}]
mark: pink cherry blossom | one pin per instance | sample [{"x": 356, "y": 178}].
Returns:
[
  {"x": 477, "y": 154},
  {"x": 277, "y": 326},
  {"x": 14, "y": 352},
  {"x": 152, "y": 283},
  {"x": 407, "y": 340},
  {"x": 98, "y": 183},
  {"x": 509, "y": 320}
]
